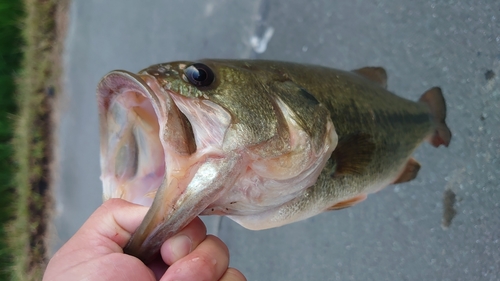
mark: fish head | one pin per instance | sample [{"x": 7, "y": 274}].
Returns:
[
  {"x": 179, "y": 113},
  {"x": 176, "y": 136},
  {"x": 161, "y": 145}
]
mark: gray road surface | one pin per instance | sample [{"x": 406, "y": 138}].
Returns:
[{"x": 395, "y": 234}]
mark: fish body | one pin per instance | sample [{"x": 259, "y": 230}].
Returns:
[{"x": 265, "y": 143}]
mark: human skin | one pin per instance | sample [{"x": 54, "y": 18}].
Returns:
[{"x": 95, "y": 252}]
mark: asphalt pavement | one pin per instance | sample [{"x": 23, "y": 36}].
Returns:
[{"x": 396, "y": 234}]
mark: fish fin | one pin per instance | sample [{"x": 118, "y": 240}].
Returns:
[
  {"x": 373, "y": 73},
  {"x": 410, "y": 171},
  {"x": 348, "y": 203},
  {"x": 434, "y": 99},
  {"x": 352, "y": 154}
]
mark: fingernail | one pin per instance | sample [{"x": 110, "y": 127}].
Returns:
[{"x": 180, "y": 246}]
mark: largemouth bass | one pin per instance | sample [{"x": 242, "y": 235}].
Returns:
[{"x": 265, "y": 143}]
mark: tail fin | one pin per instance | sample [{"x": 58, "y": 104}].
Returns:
[{"x": 435, "y": 101}]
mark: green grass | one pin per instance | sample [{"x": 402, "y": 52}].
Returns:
[
  {"x": 11, "y": 13},
  {"x": 28, "y": 70}
]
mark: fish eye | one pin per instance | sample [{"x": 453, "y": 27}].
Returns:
[{"x": 199, "y": 75}]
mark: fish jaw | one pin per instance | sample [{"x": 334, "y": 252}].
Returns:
[
  {"x": 149, "y": 156},
  {"x": 174, "y": 207}
]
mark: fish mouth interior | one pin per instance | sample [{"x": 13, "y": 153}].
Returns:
[
  {"x": 140, "y": 161},
  {"x": 133, "y": 159}
]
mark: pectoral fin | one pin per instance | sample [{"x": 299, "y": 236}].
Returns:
[
  {"x": 375, "y": 74},
  {"x": 352, "y": 154},
  {"x": 410, "y": 171},
  {"x": 348, "y": 203}
]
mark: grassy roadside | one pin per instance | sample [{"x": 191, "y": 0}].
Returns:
[
  {"x": 10, "y": 57},
  {"x": 36, "y": 88}
]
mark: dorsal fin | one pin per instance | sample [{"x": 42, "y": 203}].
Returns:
[
  {"x": 374, "y": 73},
  {"x": 352, "y": 154}
]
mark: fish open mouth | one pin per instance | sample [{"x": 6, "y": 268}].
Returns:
[
  {"x": 133, "y": 151},
  {"x": 152, "y": 155},
  {"x": 129, "y": 123}
]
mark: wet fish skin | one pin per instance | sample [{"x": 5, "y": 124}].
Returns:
[
  {"x": 374, "y": 134},
  {"x": 358, "y": 107}
]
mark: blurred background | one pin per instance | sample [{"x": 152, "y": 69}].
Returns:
[{"x": 396, "y": 234}]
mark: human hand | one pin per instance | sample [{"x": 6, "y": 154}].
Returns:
[{"x": 95, "y": 252}]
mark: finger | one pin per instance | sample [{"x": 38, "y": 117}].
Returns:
[
  {"x": 184, "y": 242},
  {"x": 111, "y": 226},
  {"x": 232, "y": 274},
  {"x": 208, "y": 261},
  {"x": 98, "y": 243}
]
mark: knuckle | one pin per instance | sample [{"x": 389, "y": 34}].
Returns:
[{"x": 206, "y": 264}]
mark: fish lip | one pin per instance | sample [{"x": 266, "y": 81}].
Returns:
[
  {"x": 115, "y": 81},
  {"x": 110, "y": 87}
]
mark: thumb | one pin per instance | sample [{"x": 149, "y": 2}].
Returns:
[
  {"x": 95, "y": 251},
  {"x": 111, "y": 226}
]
